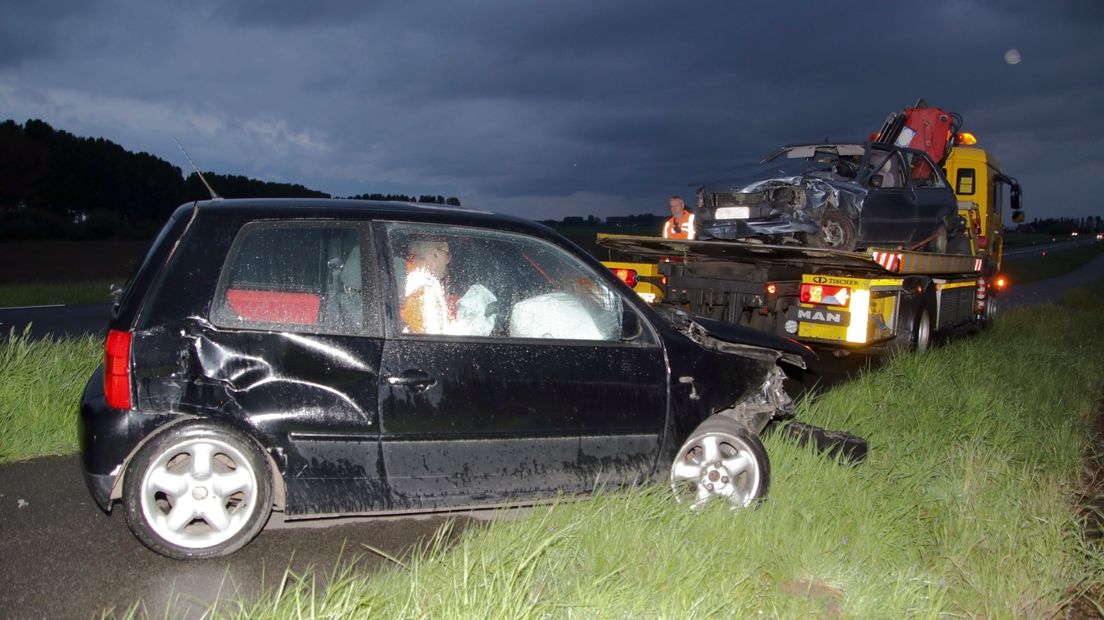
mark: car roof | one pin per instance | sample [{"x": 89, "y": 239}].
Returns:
[
  {"x": 795, "y": 151},
  {"x": 340, "y": 208}
]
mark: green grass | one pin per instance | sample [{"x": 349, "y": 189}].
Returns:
[
  {"x": 965, "y": 508},
  {"x": 1014, "y": 239},
  {"x": 1055, "y": 263},
  {"x": 40, "y": 386},
  {"x": 46, "y": 293}
]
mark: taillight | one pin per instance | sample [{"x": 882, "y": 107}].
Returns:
[
  {"x": 117, "y": 370},
  {"x": 628, "y": 276},
  {"x": 825, "y": 295}
]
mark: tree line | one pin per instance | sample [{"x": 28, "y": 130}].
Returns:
[
  {"x": 1064, "y": 225},
  {"x": 55, "y": 185}
]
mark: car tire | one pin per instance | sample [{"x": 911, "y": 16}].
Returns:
[
  {"x": 722, "y": 459},
  {"x": 197, "y": 490},
  {"x": 836, "y": 232},
  {"x": 938, "y": 243},
  {"x": 959, "y": 245}
]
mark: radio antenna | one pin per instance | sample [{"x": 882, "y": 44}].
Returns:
[{"x": 214, "y": 194}]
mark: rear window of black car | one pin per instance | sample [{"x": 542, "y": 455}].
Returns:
[{"x": 293, "y": 276}]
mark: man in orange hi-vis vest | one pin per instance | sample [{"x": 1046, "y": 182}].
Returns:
[
  {"x": 425, "y": 308},
  {"x": 681, "y": 223}
]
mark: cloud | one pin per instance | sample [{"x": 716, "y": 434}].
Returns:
[{"x": 609, "y": 106}]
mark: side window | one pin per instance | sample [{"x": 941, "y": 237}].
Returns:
[
  {"x": 887, "y": 169},
  {"x": 472, "y": 282},
  {"x": 922, "y": 172},
  {"x": 301, "y": 276},
  {"x": 964, "y": 184}
]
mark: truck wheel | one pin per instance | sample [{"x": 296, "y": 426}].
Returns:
[
  {"x": 916, "y": 334},
  {"x": 836, "y": 233},
  {"x": 922, "y": 332},
  {"x": 990, "y": 313},
  {"x": 197, "y": 490},
  {"x": 724, "y": 460}
]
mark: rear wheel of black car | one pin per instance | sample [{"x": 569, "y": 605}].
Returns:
[
  {"x": 722, "y": 460},
  {"x": 197, "y": 490},
  {"x": 836, "y": 233}
]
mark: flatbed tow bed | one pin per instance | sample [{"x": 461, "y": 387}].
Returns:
[{"x": 877, "y": 299}]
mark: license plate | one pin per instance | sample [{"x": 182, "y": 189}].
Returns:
[{"x": 733, "y": 213}]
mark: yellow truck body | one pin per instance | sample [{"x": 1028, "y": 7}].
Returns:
[{"x": 982, "y": 191}]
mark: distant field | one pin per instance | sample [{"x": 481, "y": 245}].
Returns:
[
  {"x": 1055, "y": 263},
  {"x": 69, "y": 261}
]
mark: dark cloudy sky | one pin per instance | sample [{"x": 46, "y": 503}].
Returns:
[{"x": 553, "y": 108}]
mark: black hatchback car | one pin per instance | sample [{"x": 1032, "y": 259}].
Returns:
[
  {"x": 836, "y": 196},
  {"x": 339, "y": 357}
]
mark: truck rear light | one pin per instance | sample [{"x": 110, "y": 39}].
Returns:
[
  {"x": 117, "y": 370},
  {"x": 825, "y": 295},
  {"x": 628, "y": 276}
]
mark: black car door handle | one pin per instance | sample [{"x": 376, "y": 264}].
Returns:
[{"x": 415, "y": 379}]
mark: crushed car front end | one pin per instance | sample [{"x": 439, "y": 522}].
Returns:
[{"x": 784, "y": 199}]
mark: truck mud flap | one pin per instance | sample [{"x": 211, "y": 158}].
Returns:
[{"x": 836, "y": 444}]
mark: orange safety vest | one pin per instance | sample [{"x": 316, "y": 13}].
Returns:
[{"x": 683, "y": 229}]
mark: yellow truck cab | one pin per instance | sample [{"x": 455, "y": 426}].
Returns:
[{"x": 983, "y": 191}]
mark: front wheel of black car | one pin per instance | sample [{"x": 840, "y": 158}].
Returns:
[
  {"x": 836, "y": 233},
  {"x": 722, "y": 460},
  {"x": 197, "y": 490}
]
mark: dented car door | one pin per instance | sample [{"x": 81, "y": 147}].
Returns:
[{"x": 545, "y": 397}]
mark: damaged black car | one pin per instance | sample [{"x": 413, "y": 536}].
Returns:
[
  {"x": 836, "y": 196},
  {"x": 341, "y": 357}
]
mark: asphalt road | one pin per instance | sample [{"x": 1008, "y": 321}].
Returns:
[
  {"x": 64, "y": 558},
  {"x": 57, "y": 321}
]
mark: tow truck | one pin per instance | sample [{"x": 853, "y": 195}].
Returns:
[{"x": 875, "y": 300}]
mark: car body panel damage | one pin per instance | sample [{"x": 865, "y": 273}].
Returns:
[
  {"x": 271, "y": 353},
  {"x": 837, "y": 196}
]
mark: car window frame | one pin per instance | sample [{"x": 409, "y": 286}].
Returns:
[
  {"x": 390, "y": 307},
  {"x": 869, "y": 171},
  {"x": 370, "y": 326},
  {"x": 937, "y": 171}
]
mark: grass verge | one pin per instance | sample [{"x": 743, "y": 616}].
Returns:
[
  {"x": 47, "y": 293},
  {"x": 1055, "y": 263},
  {"x": 965, "y": 508},
  {"x": 40, "y": 386}
]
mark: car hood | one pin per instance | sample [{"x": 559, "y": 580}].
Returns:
[
  {"x": 748, "y": 177},
  {"x": 737, "y": 339}
]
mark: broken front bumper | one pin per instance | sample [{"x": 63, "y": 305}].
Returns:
[{"x": 740, "y": 229}]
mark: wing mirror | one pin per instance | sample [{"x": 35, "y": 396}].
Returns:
[
  {"x": 1015, "y": 198},
  {"x": 630, "y": 325}
]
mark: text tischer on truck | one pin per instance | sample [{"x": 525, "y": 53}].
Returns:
[{"x": 876, "y": 299}]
